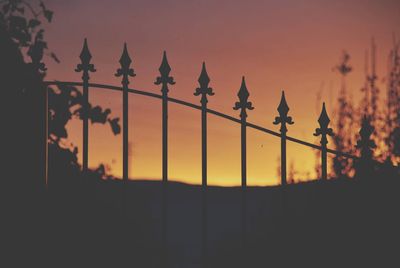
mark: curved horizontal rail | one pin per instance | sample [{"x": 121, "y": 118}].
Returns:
[{"x": 198, "y": 107}]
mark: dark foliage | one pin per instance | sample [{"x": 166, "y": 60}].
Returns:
[
  {"x": 22, "y": 39},
  {"x": 350, "y": 118},
  {"x": 345, "y": 122}
]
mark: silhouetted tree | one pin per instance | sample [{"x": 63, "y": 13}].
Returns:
[
  {"x": 392, "y": 120},
  {"x": 365, "y": 166},
  {"x": 28, "y": 209},
  {"x": 374, "y": 114},
  {"x": 65, "y": 104},
  {"x": 343, "y": 138},
  {"x": 292, "y": 173},
  {"x": 372, "y": 109},
  {"x": 387, "y": 141},
  {"x": 382, "y": 117},
  {"x": 21, "y": 37},
  {"x": 22, "y": 47}
]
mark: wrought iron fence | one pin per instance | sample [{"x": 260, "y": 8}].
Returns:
[{"x": 243, "y": 104}]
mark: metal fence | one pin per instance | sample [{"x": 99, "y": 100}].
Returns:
[{"x": 243, "y": 105}]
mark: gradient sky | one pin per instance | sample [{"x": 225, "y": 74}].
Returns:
[{"x": 286, "y": 44}]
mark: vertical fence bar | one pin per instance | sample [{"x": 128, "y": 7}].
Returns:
[
  {"x": 204, "y": 188},
  {"x": 125, "y": 71},
  {"x": 204, "y": 90},
  {"x": 243, "y": 152},
  {"x": 243, "y": 186},
  {"x": 46, "y": 137},
  {"x": 323, "y": 130},
  {"x": 164, "y": 79},
  {"x": 282, "y": 119},
  {"x": 324, "y": 162},
  {"x": 85, "y": 67},
  {"x": 39, "y": 68},
  {"x": 243, "y": 104},
  {"x": 283, "y": 157}
]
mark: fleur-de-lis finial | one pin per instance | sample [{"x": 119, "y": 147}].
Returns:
[
  {"x": 365, "y": 143},
  {"x": 323, "y": 121},
  {"x": 243, "y": 102},
  {"x": 125, "y": 69},
  {"x": 164, "y": 77},
  {"x": 204, "y": 90},
  {"x": 85, "y": 57},
  {"x": 283, "y": 110}
]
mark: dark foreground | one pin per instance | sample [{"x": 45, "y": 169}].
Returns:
[{"x": 333, "y": 224}]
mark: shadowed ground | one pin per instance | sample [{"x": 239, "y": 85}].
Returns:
[{"x": 332, "y": 224}]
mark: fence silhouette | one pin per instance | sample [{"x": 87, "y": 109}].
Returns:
[{"x": 243, "y": 104}]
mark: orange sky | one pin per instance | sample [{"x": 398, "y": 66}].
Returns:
[{"x": 286, "y": 44}]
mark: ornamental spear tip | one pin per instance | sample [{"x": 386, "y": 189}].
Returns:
[
  {"x": 323, "y": 119},
  {"x": 283, "y": 117},
  {"x": 204, "y": 79},
  {"x": 85, "y": 64},
  {"x": 243, "y": 104},
  {"x": 243, "y": 93},
  {"x": 85, "y": 55},
  {"x": 125, "y": 59},
  {"x": 125, "y": 62},
  {"x": 164, "y": 69},
  {"x": 283, "y": 107},
  {"x": 164, "y": 78}
]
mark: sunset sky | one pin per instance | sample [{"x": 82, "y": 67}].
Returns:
[{"x": 287, "y": 44}]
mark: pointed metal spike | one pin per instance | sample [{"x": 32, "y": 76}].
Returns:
[
  {"x": 283, "y": 107},
  {"x": 323, "y": 118},
  {"x": 243, "y": 93},
  {"x": 204, "y": 79},
  {"x": 243, "y": 84},
  {"x": 164, "y": 69},
  {"x": 125, "y": 59},
  {"x": 85, "y": 55}
]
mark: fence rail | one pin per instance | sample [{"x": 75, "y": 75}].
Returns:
[{"x": 198, "y": 107}]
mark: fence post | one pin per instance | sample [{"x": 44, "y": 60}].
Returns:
[
  {"x": 85, "y": 67},
  {"x": 125, "y": 71},
  {"x": 164, "y": 79},
  {"x": 40, "y": 161},
  {"x": 282, "y": 119},
  {"x": 364, "y": 169},
  {"x": 323, "y": 130},
  {"x": 204, "y": 90},
  {"x": 243, "y": 104}
]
